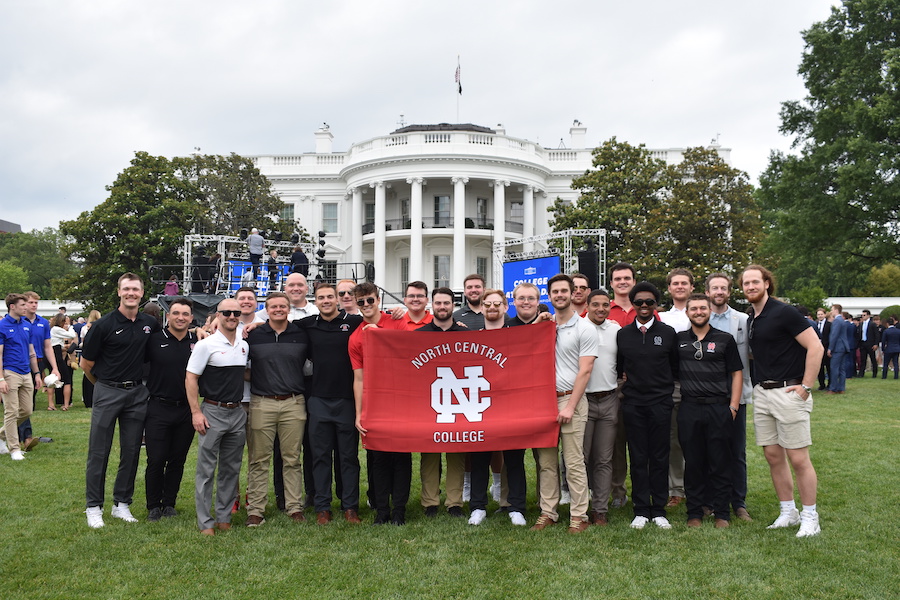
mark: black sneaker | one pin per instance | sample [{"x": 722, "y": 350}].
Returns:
[
  {"x": 455, "y": 511},
  {"x": 431, "y": 511},
  {"x": 155, "y": 514},
  {"x": 398, "y": 520},
  {"x": 169, "y": 511}
]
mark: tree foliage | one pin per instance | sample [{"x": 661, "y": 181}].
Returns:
[
  {"x": 40, "y": 255},
  {"x": 835, "y": 206},
  {"x": 13, "y": 279},
  {"x": 882, "y": 281},
  {"x": 699, "y": 214}
]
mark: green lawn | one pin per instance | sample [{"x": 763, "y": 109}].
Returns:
[{"x": 49, "y": 552}]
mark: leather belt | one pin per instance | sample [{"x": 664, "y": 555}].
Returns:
[
  {"x": 122, "y": 385},
  {"x": 771, "y": 385},
  {"x": 594, "y": 396},
  {"x": 223, "y": 404},
  {"x": 566, "y": 393},
  {"x": 706, "y": 400},
  {"x": 280, "y": 396}
]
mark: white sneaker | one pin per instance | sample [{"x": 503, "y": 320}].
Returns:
[
  {"x": 121, "y": 511},
  {"x": 477, "y": 517},
  {"x": 786, "y": 520},
  {"x": 564, "y": 497},
  {"x": 662, "y": 522},
  {"x": 4, "y": 449},
  {"x": 639, "y": 522},
  {"x": 95, "y": 517},
  {"x": 17, "y": 455},
  {"x": 809, "y": 524},
  {"x": 495, "y": 491},
  {"x": 517, "y": 518}
]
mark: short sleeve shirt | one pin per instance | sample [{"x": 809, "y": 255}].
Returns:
[
  {"x": 710, "y": 376},
  {"x": 357, "y": 339},
  {"x": 40, "y": 331},
  {"x": 777, "y": 355},
  {"x": 574, "y": 339},
  {"x": 603, "y": 375},
  {"x": 168, "y": 357},
  {"x": 15, "y": 336},
  {"x": 117, "y": 346},
  {"x": 220, "y": 365}
]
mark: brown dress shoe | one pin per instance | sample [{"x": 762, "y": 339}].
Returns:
[
  {"x": 223, "y": 526},
  {"x": 578, "y": 525},
  {"x": 598, "y": 518},
  {"x": 742, "y": 514},
  {"x": 209, "y": 531},
  {"x": 674, "y": 501},
  {"x": 298, "y": 517},
  {"x": 351, "y": 517},
  {"x": 695, "y": 522},
  {"x": 543, "y": 522},
  {"x": 255, "y": 521},
  {"x": 722, "y": 524},
  {"x": 323, "y": 517}
]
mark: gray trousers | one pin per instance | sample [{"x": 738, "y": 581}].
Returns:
[
  {"x": 222, "y": 445},
  {"x": 599, "y": 441},
  {"x": 129, "y": 408}
]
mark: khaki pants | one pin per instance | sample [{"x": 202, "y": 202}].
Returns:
[
  {"x": 571, "y": 435},
  {"x": 17, "y": 406},
  {"x": 268, "y": 418},
  {"x": 430, "y": 474}
]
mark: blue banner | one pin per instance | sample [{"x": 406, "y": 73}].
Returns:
[{"x": 534, "y": 270}]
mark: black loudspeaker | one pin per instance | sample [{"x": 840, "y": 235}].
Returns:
[
  {"x": 589, "y": 266},
  {"x": 370, "y": 272}
]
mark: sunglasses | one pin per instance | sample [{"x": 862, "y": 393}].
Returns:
[
  {"x": 698, "y": 355},
  {"x": 345, "y": 293},
  {"x": 644, "y": 302},
  {"x": 230, "y": 313},
  {"x": 370, "y": 301},
  {"x": 582, "y": 287},
  {"x": 494, "y": 303}
]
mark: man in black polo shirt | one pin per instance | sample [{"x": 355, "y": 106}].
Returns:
[
  {"x": 787, "y": 354},
  {"x": 710, "y": 371},
  {"x": 216, "y": 371},
  {"x": 113, "y": 360},
  {"x": 168, "y": 431},
  {"x": 648, "y": 357},
  {"x": 278, "y": 352},
  {"x": 330, "y": 406}
]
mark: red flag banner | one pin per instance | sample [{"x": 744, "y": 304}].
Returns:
[{"x": 460, "y": 391}]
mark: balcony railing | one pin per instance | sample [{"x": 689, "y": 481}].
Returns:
[{"x": 442, "y": 223}]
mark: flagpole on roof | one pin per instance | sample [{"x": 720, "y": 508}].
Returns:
[{"x": 458, "y": 87}]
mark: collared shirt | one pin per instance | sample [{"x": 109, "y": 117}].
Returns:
[
  {"x": 15, "y": 337},
  {"x": 603, "y": 375},
  {"x": 117, "y": 345},
  {"x": 777, "y": 355},
  {"x": 411, "y": 325},
  {"x": 650, "y": 362},
  {"x": 329, "y": 349},
  {"x": 168, "y": 357},
  {"x": 574, "y": 338},
  {"x": 676, "y": 318},
  {"x": 471, "y": 319},
  {"x": 735, "y": 322},
  {"x": 40, "y": 331},
  {"x": 296, "y": 313},
  {"x": 357, "y": 338},
  {"x": 220, "y": 365},
  {"x": 277, "y": 359},
  {"x": 710, "y": 375}
]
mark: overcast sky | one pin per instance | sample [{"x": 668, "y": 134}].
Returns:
[{"x": 83, "y": 85}]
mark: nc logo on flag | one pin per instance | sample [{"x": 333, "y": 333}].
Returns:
[{"x": 448, "y": 397}]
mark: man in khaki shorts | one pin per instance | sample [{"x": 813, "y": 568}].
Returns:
[{"x": 787, "y": 354}]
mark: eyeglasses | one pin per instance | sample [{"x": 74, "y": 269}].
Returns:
[
  {"x": 698, "y": 355},
  {"x": 526, "y": 299},
  {"x": 494, "y": 303},
  {"x": 342, "y": 294},
  {"x": 644, "y": 302},
  {"x": 230, "y": 313},
  {"x": 416, "y": 296},
  {"x": 363, "y": 301}
]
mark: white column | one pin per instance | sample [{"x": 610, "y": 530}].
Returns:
[
  {"x": 356, "y": 221},
  {"x": 528, "y": 220},
  {"x": 415, "y": 233},
  {"x": 459, "y": 231},
  {"x": 500, "y": 210},
  {"x": 380, "y": 243}
]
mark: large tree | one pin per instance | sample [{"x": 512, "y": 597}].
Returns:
[
  {"x": 40, "y": 254},
  {"x": 13, "y": 279},
  {"x": 834, "y": 207},
  {"x": 699, "y": 214}
]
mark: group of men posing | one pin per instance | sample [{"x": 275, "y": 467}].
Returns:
[{"x": 624, "y": 373}]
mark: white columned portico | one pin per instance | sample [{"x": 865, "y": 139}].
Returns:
[
  {"x": 415, "y": 226},
  {"x": 380, "y": 243},
  {"x": 528, "y": 217},
  {"x": 356, "y": 219},
  {"x": 500, "y": 210},
  {"x": 459, "y": 230}
]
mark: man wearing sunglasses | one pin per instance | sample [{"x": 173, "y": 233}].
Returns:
[
  {"x": 216, "y": 372},
  {"x": 346, "y": 299},
  {"x": 710, "y": 371},
  {"x": 580, "y": 291},
  {"x": 648, "y": 357}
]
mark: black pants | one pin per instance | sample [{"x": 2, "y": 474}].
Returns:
[
  {"x": 168, "y": 433},
  {"x": 514, "y": 461},
  {"x": 739, "y": 459},
  {"x": 647, "y": 432},
  {"x": 704, "y": 431},
  {"x": 391, "y": 476},
  {"x": 332, "y": 432},
  {"x": 825, "y": 369},
  {"x": 867, "y": 351}
]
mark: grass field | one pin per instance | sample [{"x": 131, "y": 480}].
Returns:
[{"x": 49, "y": 552}]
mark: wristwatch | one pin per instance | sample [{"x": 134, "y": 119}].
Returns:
[{"x": 807, "y": 388}]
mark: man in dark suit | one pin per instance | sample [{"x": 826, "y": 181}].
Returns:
[
  {"x": 838, "y": 349},
  {"x": 823, "y": 330},
  {"x": 867, "y": 341}
]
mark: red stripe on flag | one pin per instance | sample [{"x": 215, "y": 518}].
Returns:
[{"x": 460, "y": 391}]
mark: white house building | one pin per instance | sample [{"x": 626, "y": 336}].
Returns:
[{"x": 427, "y": 202}]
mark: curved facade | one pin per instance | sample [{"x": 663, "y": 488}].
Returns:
[{"x": 427, "y": 202}]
